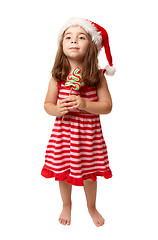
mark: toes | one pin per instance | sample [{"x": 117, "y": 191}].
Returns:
[
  {"x": 64, "y": 222},
  {"x": 61, "y": 220},
  {"x": 68, "y": 222},
  {"x": 100, "y": 223}
]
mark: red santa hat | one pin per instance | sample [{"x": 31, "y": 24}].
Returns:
[{"x": 99, "y": 37}]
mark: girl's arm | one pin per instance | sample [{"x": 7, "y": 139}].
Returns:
[
  {"x": 104, "y": 104},
  {"x": 50, "y": 104},
  {"x": 51, "y": 97}
]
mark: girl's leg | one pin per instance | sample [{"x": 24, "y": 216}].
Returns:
[
  {"x": 90, "y": 188},
  {"x": 65, "y": 191}
]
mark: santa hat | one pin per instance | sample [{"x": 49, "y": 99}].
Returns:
[{"x": 99, "y": 37}]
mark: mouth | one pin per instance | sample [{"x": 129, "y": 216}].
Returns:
[{"x": 74, "y": 48}]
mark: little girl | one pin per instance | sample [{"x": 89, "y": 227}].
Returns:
[{"x": 76, "y": 153}]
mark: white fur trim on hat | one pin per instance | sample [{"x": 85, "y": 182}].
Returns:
[
  {"x": 110, "y": 70},
  {"x": 87, "y": 26}
]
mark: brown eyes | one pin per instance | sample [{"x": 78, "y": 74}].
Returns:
[
  {"x": 81, "y": 37},
  {"x": 68, "y": 38}
]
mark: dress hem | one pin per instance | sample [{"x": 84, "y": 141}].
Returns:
[{"x": 47, "y": 173}]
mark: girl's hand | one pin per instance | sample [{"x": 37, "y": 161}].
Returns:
[
  {"x": 61, "y": 109},
  {"x": 74, "y": 100}
]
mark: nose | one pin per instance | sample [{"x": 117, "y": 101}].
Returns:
[{"x": 73, "y": 41}]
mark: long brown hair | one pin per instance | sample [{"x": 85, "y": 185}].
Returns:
[{"x": 90, "y": 71}]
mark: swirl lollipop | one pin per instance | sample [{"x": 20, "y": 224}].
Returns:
[{"x": 74, "y": 81}]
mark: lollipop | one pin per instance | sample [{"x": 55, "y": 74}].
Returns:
[{"x": 74, "y": 81}]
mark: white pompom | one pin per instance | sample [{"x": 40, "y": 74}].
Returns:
[{"x": 110, "y": 70}]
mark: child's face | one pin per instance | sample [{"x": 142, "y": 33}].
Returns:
[{"x": 75, "y": 43}]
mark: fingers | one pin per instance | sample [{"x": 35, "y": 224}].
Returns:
[
  {"x": 67, "y": 104},
  {"x": 70, "y": 103},
  {"x": 74, "y": 106},
  {"x": 64, "y": 110},
  {"x": 69, "y": 99}
]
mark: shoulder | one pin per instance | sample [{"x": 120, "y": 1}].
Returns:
[
  {"x": 103, "y": 81},
  {"x": 53, "y": 83},
  {"x": 52, "y": 92},
  {"x": 103, "y": 90}
]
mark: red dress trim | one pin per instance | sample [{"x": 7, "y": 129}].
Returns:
[{"x": 71, "y": 180}]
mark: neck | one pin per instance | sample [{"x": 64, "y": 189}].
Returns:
[{"x": 74, "y": 64}]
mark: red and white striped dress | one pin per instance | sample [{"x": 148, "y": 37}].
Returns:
[{"x": 76, "y": 150}]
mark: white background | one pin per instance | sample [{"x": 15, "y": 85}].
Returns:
[{"x": 30, "y": 204}]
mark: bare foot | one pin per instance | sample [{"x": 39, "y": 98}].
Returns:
[
  {"x": 96, "y": 217},
  {"x": 65, "y": 216}
]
